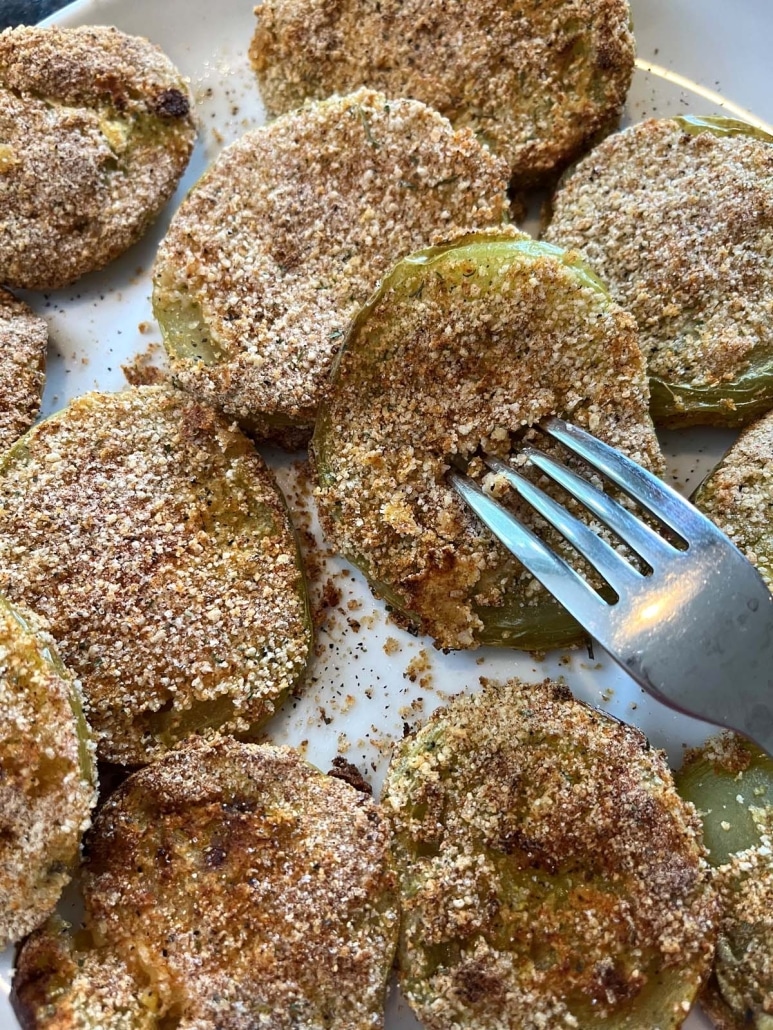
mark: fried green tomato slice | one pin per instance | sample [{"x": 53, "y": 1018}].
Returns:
[
  {"x": 676, "y": 217},
  {"x": 549, "y": 873},
  {"x": 154, "y": 540},
  {"x": 286, "y": 236},
  {"x": 47, "y": 774},
  {"x": 95, "y": 132},
  {"x": 23, "y": 344},
  {"x": 227, "y": 886},
  {"x": 730, "y": 781},
  {"x": 536, "y": 81},
  {"x": 462, "y": 347},
  {"x": 64, "y": 983},
  {"x": 738, "y": 495}
]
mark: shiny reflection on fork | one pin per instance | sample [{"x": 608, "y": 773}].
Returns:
[{"x": 696, "y": 631}]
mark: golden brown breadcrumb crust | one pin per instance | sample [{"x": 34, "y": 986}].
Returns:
[
  {"x": 738, "y": 495},
  {"x": 60, "y": 984},
  {"x": 238, "y": 887},
  {"x": 96, "y": 128},
  {"x": 285, "y": 237},
  {"x": 23, "y": 344},
  {"x": 536, "y": 81},
  {"x": 679, "y": 225},
  {"x": 550, "y": 874},
  {"x": 453, "y": 355},
  {"x": 155, "y": 541},
  {"x": 47, "y": 775}
]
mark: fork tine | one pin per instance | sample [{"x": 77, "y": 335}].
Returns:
[
  {"x": 579, "y": 599},
  {"x": 652, "y": 494},
  {"x": 637, "y": 534},
  {"x": 615, "y": 569}
]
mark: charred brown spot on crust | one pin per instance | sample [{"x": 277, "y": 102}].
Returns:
[
  {"x": 608, "y": 55},
  {"x": 214, "y": 857},
  {"x": 343, "y": 770},
  {"x": 198, "y": 419},
  {"x": 613, "y": 986},
  {"x": 111, "y": 88},
  {"x": 239, "y": 805},
  {"x": 535, "y": 854},
  {"x": 561, "y": 692},
  {"x": 171, "y": 103},
  {"x": 474, "y": 982}
]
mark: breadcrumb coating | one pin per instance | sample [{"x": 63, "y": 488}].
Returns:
[
  {"x": 550, "y": 875},
  {"x": 536, "y": 81},
  {"x": 286, "y": 236},
  {"x": 740, "y": 993},
  {"x": 679, "y": 225},
  {"x": 730, "y": 781},
  {"x": 151, "y": 536},
  {"x": 23, "y": 345},
  {"x": 96, "y": 129},
  {"x": 63, "y": 985},
  {"x": 238, "y": 887},
  {"x": 461, "y": 350},
  {"x": 47, "y": 774},
  {"x": 738, "y": 495}
]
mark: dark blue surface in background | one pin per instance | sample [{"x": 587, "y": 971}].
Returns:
[{"x": 26, "y": 12}]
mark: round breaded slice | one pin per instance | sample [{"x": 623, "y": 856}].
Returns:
[
  {"x": 156, "y": 543},
  {"x": 550, "y": 875},
  {"x": 95, "y": 132},
  {"x": 47, "y": 774},
  {"x": 730, "y": 781},
  {"x": 676, "y": 217},
  {"x": 23, "y": 345},
  {"x": 462, "y": 348},
  {"x": 738, "y": 495},
  {"x": 285, "y": 237},
  {"x": 227, "y": 886},
  {"x": 536, "y": 81},
  {"x": 63, "y": 983}
]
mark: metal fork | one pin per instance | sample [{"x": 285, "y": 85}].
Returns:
[{"x": 696, "y": 632}]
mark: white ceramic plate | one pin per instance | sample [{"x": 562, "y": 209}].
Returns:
[{"x": 699, "y": 55}]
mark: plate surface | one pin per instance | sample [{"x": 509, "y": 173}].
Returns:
[{"x": 369, "y": 678}]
